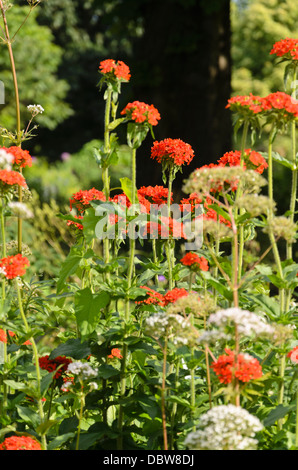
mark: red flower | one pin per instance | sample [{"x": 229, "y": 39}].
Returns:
[
  {"x": 293, "y": 355},
  {"x": 195, "y": 261},
  {"x": 285, "y": 47},
  {"x": 117, "y": 70},
  {"x": 281, "y": 103},
  {"x": 244, "y": 368},
  {"x": 250, "y": 104},
  {"x": 76, "y": 224},
  {"x": 115, "y": 352},
  {"x": 252, "y": 159},
  {"x": 154, "y": 297},
  {"x": 52, "y": 364},
  {"x": 193, "y": 200},
  {"x": 3, "y": 336},
  {"x": 20, "y": 443},
  {"x": 22, "y": 158},
  {"x": 174, "y": 294},
  {"x": 9, "y": 178},
  {"x": 165, "y": 228},
  {"x": 141, "y": 112},
  {"x": 155, "y": 194},
  {"x": 81, "y": 199},
  {"x": 172, "y": 150},
  {"x": 14, "y": 266}
]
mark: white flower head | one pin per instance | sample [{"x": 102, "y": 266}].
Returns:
[
  {"x": 35, "y": 109},
  {"x": 19, "y": 209},
  {"x": 225, "y": 427}
]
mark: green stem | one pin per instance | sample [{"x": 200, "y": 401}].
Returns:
[
  {"x": 127, "y": 305},
  {"x": 36, "y": 359},
  {"x": 82, "y": 404},
  {"x": 4, "y": 404},
  {"x": 17, "y": 108},
  {"x": 169, "y": 242},
  {"x": 270, "y": 216},
  {"x": 163, "y": 396},
  {"x": 239, "y": 192},
  {"x": 105, "y": 167}
]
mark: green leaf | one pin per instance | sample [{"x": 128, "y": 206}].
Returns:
[
  {"x": 74, "y": 348},
  {"x": 59, "y": 441},
  {"x": 107, "y": 371},
  {"x": 279, "y": 412},
  {"x": 88, "y": 309},
  {"x": 29, "y": 416},
  {"x": 126, "y": 185},
  {"x": 69, "y": 267}
]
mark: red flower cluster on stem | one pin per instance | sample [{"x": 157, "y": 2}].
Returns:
[
  {"x": 194, "y": 261},
  {"x": 172, "y": 150},
  {"x": 287, "y": 47},
  {"x": 118, "y": 70},
  {"x": 21, "y": 158},
  {"x": 141, "y": 112},
  {"x": 242, "y": 367}
]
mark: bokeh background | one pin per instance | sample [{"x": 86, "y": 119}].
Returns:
[{"x": 186, "y": 57}]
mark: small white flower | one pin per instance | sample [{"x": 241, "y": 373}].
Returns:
[
  {"x": 19, "y": 209},
  {"x": 82, "y": 369},
  {"x": 6, "y": 160},
  {"x": 35, "y": 109}
]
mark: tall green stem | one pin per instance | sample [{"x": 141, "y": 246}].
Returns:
[
  {"x": 170, "y": 241},
  {"x": 127, "y": 302},
  {"x": 17, "y": 108},
  {"x": 4, "y": 402},
  {"x": 105, "y": 167},
  {"x": 36, "y": 359},
  {"x": 241, "y": 228}
]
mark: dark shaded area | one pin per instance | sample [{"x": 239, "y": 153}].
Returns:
[{"x": 180, "y": 63}]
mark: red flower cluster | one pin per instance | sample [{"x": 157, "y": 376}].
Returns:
[
  {"x": 81, "y": 199},
  {"x": 3, "y": 336},
  {"x": 195, "y": 261},
  {"x": 244, "y": 367},
  {"x": 172, "y": 150},
  {"x": 252, "y": 158},
  {"x": 52, "y": 364},
  {"x": 115, "y": 352},
  {"x": 22, "y": 158},
  {"x": 9, "y": 178},
  {"x": 246, "y": 103},
  {"x": 155, "y": 194},
  {"x": 14, "y": 266},
  {"x": 165, "y": 228},
  {"x": 20, "y": 443},
  {"x": 172, "y": 295},
  {"x": 293, "y": 355},
  {"x": 286, "y": 47},
  {"x": 141, "y": 112},
  {"x": 156, "y": 298},
  {"x": 280, "y": 101},
  {"x": 117, "y": 69},
  {"x": 193, "y": 200}
]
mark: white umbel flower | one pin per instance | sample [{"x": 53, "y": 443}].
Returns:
[
  {"x": 35, "y": 109},
  {"x": 83, "y": 369},
  {"x": 225, "y": 427},
  {"x": 248, "y": 323}
]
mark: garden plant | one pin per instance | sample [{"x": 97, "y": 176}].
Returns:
[{"x": 172, "y": 324}]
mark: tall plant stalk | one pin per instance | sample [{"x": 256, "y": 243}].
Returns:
[
  {"x": 36, "y": 360},
  {"x": 17, "y": 107}
]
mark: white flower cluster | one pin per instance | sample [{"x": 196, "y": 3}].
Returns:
[
  {"x": 248, "y": 323},
  {"x": 6, "y": 160},
  {"x": 174, "y": 326},
  {"x": 19, "y": 209},
  {"x": 35, "y": 109},
  {"x": 225, "y": 427},
  {"x": 82, "y": 369},
  {"x": 212, "y": 336}
]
